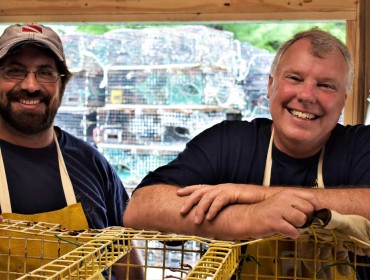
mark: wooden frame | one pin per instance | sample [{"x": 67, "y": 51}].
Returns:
[
  {"x": 176, "y": 10},
  {"x": 356, "y": 13}
]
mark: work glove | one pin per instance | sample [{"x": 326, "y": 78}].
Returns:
[{"x": 324, "y": 246}]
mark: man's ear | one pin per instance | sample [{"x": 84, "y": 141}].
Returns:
[{"x": 269, "y": 85}]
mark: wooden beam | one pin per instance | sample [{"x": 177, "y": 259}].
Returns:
[
  {"x": 174, "y": 10},
  {"x": 351, "y": 110},
  {"x": 180, "y": 17},
  {"x": 354, "y": 112},
  {"x": 366, "y": 48}
]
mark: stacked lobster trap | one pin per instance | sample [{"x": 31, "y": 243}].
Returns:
[
  {"x": 31, "y": 250},
  {"x": 138, "y": 140},
  {"x": 156, "y": 86},
  {"x": 140, "y": 94}
]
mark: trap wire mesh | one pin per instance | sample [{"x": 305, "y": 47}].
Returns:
[
  {"x": 46, "y": 251},
  {"x": 139, "y": 95}
]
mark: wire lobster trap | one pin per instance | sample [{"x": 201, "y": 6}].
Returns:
[{"x": 59, "y": 253}]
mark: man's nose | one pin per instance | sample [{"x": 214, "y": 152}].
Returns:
[
  {"x": 30, "y": 82},
  {"x": 307, "y": 93}
]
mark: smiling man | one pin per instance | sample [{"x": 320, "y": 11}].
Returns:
[
  {"x": 214, "y": 187},
  {"x": 218, "y": 186},
  {"x": 46, "y": 174}
]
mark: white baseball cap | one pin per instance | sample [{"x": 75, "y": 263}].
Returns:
[{"x": 31, "y": 32}]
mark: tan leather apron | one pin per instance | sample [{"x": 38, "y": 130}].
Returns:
[
  {"x": 266, "y": 253},
  {"x": 26, "y": 255}
]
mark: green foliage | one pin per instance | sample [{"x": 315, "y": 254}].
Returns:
[
  {"x": 102, "y": 28},
  {"x": 269, "y": 36},
  {"x": 97, "y": 29}
]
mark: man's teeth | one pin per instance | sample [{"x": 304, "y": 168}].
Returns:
[
  {"x": 29, "y": 101},
  {"x": 302, "y": 115}
]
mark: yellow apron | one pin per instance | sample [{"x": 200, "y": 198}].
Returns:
[
  {"x": 27, "y": 255},
  {"x": 266, "y": 258}
]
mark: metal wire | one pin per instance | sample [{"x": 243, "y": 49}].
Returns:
[{"x": 65, "y": 254}]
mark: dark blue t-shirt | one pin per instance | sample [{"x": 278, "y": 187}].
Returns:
[
  {"x": 235, "y": 152},
  {"x": 35, "y": 184}
]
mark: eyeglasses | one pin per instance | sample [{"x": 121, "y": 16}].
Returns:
[{"x": 19, "y": 74}]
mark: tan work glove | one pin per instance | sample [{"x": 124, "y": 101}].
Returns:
[{"x": 325, "y": 245}]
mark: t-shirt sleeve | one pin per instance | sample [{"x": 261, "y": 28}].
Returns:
[{"x": 117, "y": 199}]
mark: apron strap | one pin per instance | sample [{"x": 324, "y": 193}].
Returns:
[
  {"x": 320, "y": 180},
  {"x": 4, "y": 190},
  {"x": 66, "y": 181},
  {"x": 268, "y": 165}
]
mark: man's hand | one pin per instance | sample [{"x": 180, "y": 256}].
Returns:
[
  {"x": 1, "y": 218},
  {"x": 269, "y": 211},
  {"x": 208, "y": 200},
  {"x": 281, "y": 213}
]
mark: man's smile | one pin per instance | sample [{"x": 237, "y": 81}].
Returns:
[
  {"x": 29, "y": 101},
  {"x": 302, "y": 115}
]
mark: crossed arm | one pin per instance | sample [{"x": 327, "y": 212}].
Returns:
[{"x": 233, "y": 211}]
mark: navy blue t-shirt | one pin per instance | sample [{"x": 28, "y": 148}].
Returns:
[
  {"x": 236, "y": 151},
  {"x": 35, "y": 184}
]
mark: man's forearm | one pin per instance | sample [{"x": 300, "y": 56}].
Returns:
[
  {"x": 158, "y": 208},
  {"x": 346, "y": 201},
  {"x": 154, "y": 208}
]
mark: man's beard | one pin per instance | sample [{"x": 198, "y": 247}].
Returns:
[{"x": 28, "y": 122}]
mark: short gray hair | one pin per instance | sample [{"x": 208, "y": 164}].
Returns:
[{"x": 323, "y": 43}]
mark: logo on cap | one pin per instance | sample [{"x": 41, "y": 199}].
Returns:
[{"x": 32, "y": 28}]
